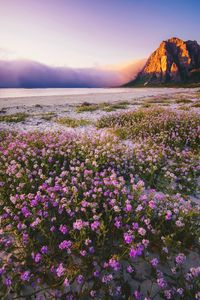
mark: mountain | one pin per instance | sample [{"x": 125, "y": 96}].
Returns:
[{"x": 175, "y": 62}]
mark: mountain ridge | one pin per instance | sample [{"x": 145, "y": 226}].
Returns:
[{"x": 174, "y": 62}]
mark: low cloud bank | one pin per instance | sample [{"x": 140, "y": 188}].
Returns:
[{"x": 30, "y": 74}]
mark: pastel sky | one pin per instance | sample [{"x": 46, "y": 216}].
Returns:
[{"x": 92, "y": 33}]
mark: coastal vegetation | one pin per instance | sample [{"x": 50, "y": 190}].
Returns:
[
  {"x": 106, "y": 214},
  {"x": 72, "y": 122},
  {"x": 14, "y": 118}
]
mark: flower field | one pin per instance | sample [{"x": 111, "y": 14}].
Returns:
[
  {"x": 165, "y": 146},
  {"x": 88, "y": 216}
]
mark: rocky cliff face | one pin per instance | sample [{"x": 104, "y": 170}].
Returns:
[{"x": 174, "y": 62}]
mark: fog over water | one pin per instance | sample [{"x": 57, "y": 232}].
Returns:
[{"x": 31, "y": 74}]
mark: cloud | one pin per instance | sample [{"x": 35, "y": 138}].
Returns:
[{"x": 30, "y": 74}]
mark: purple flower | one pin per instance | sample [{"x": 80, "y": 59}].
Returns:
[
  {"x": 7, "y": 281},
  {"x": 52, "y": 229},
  {"x": 63, "y": 229},
  {"x": 95, "y": 225},
  {"x": 25, "y": 212},
  {"x": 83, "y": 253},
  {"x": 79, "y": 279},
  {"x": 25, "y": 276},
  {"x": 25, "y": 238},
  {"x": 34, "y": 202},
  {"x": 140, "y": 249},
  {"x": 96, "y": 273},
  {"x": 92, "y": 293},
  {"x": 91, "y": 250},
  {"x": 168, "y": 294},
  {"x": 129, "y": 269},
  {"x": 180, "y": 258},
  {"x": 113, "y": 263},
  {"x": 65, "y": 244},
  {"x": 168, "y": 215},
  {"x": 117, "y": 223},
  {"x": 180, "y": 291},
  {"x": 128, "y": 238},
  {"x": 136, "y": 295},
  {"x": 128, "y": 207},
  {"x": 44, "y": 249},
  {"x": 154, "y": 262},
  {"x": 66, "y": 282},
  {"x": 135, "y": 226},
  {"x": 161, "y": 282},
  {"x": 195, "y": 271},
  {"x": 1, "y": 270},
  {"x": 107, "y": 278},
  {"x": 133, "y": 252},
  {"x": 38, "y": 257}
]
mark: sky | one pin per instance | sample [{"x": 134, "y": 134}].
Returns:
[{"x": 93, "y": 33}]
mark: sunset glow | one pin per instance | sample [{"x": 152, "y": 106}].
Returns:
[{"x": 92, "y": 33}]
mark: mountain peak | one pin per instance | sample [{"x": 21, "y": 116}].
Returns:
[
  {"x": 174, "y": 62},
  {"x": 175, "y": 40}
]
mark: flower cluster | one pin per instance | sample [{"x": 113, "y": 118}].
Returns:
[
  {"x": 166, "y": 146},
  {"x": 76, "y": 223},
  {"x": 172, "y": 128}
]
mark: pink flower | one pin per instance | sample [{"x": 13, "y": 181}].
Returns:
[
  {"x": 152, "y": 204},
  {"x": 60, "y": 270},
  {"x": 141, "y": 231},
  {"x": 78, "y": 224},
  {"x": 128, "y": 207}
]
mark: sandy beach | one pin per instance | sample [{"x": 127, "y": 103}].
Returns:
[
  {"x": 30, "y": 97},
  {"x": 40, "y": 104}
]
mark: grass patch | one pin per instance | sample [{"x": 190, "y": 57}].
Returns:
[
  {"x": 183, "y": 101},
  {"x": 198, "y": 94},
  {"x": 186, "y": 108},
  {"x": 85, "y": 106},
  {"x": 108, "y": 107},
  {"x": 71, "y": 122},
  {"x": 14, "y": 118},
  {"x": 135, "y": 103},
  {"x": 115, "y": 106},
  {"x": 146, "y": 105},
  {"x": 157, "y": 101},
  {"x": 48, "y": 116},
  {"x": 197, "y": 104}
]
